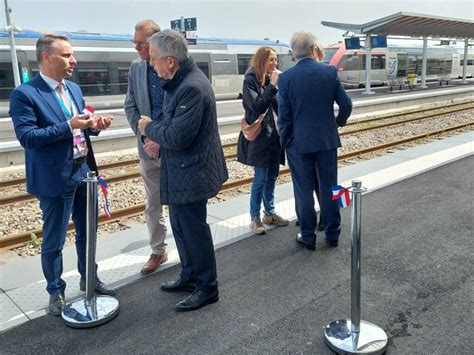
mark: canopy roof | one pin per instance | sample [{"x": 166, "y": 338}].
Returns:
[{"x": 411, "y": 24}]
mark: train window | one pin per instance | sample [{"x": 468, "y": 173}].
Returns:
[
  {"x": 469, "y": 62},
  {"x": 7, "y": 82},
  {"x": 377, "y": 61},
  {"x": 204, "y": 66},
  {"x": 94, "y": 81},
  {"x": 285, "y": 61},
  {"x": 434, "y": 66},
  {"x": 328, "y": 54},
  {"x": 349, "y": 62},
  {"x": 122, "y": 80},
  {"x": 243, "y": 62}
]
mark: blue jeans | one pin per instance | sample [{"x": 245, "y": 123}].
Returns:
[
  {"x": 263, "y": 188},
  {"x": 56, "y": 213}
]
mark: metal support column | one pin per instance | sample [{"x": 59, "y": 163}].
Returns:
[
  {"x": 92, "y": 310},
  {"x": 464, "y": 64},
  {"x": 368, "y": 60},
  {"x": 355, "y": 336},
  {"x": 10, "y": 29},
  {"x": 423, "y": 63}
]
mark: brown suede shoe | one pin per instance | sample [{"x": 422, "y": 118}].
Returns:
[{"x": 153, "y": 263}]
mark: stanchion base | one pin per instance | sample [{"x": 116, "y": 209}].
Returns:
[
  {"x": 370, "y": 340},
  {"x": 76, "y": 315}
]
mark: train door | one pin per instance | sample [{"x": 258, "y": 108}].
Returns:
[
  {"x": 349, "y": 70},
  {"x": 203, "y": 62},
  {"x": 7, "y": 81},
  {"x": 225, "y": 81}
]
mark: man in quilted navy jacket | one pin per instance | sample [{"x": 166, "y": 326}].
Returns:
[{"x": 192, "y": 164}]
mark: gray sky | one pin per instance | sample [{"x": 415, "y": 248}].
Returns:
[{"x": 256, "y": 19}]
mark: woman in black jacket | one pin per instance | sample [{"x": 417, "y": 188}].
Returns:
[{"x": 264, "y": 153}]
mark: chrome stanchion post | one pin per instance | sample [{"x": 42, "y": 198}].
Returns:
[
  {"x": 92, "y": 310},
  {"x": 355, "y": 336},
  {"x": 355, "y": 256}
]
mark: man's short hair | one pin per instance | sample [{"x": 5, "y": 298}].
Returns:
[
  {"x": 303, "y": 44},
  {"x": 170, "y": 43},
  {"x": 147, "y": 26},
  {"x": 44, "y": 44}
]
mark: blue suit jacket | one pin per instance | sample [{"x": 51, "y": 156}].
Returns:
[
  {"x": 43, "y": 132},
  {"x": 307, "y": 93}
]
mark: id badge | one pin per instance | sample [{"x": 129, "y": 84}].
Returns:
[{"x": 79, "y": 137}]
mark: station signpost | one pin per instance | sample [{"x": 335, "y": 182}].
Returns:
[{"x": 187, "y": 27}]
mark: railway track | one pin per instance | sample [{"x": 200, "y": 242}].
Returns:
[
  {"x": 128, "y": 212},
  {"x": 457, "y": 107},
  {"x": 363, "y": 126}
]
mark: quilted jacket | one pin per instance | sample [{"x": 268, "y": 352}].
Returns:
[{"x": 193, "y": 167}]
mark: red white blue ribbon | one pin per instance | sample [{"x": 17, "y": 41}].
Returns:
[
  {"x": 105, "y": 188},
  {"x": 342, "y": 195}
]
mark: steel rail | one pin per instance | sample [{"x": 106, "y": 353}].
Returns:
[
  {"x": 22, "y": 180},
  {"x": 24, "y": 237}
]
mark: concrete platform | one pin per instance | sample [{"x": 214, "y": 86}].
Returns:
[{"x": 275, "y": 297}]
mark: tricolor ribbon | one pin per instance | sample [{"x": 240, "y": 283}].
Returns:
[
  {"x": 341, "y": 194},
  {"x": 105, "y": 188}
]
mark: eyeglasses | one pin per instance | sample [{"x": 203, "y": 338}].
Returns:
[{"x": 139, "y": 43}]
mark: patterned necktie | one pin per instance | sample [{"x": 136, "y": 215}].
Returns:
[
  {"x": 61, "y": 89},
  {"x": 79, "y": 139}
]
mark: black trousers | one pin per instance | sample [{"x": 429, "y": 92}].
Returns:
[{"x": 194, "y": 242}]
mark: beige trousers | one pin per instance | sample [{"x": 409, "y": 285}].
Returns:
[{"x": 155, "y": 220}]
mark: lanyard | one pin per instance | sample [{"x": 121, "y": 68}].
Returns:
[{"x": 63, "y": 105}]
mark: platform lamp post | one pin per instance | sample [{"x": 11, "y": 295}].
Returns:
[
  {"x": 11, "y": 28},
  {"x": 92, "y": 310},
  {"x": 355, "y": 336}
]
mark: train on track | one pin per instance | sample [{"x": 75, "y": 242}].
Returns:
[
  {"x": 443, "y": 63},
  {"x": 103, "y": 61}
]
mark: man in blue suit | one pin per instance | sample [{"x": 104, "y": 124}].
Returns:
[
  {"x": 308, "y": 132},
  {"x": 49, "y": 122}
]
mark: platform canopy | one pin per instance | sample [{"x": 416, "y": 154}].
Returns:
[{"x": 413, "y": 25}]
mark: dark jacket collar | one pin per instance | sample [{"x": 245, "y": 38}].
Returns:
[{"x": 180, "y": 74}]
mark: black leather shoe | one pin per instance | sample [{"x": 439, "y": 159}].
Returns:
[
  {"x": 302, "y": 242},
  {"x": 178, "y": 286},
  {"x": 332, "y": 243},
  {"x": 57, "y": 302},
  {"x": 197, "y": 300},
  {"x": 100, "y": 288}
]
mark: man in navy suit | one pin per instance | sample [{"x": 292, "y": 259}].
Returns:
[
  {"x": 49, "y": 122},
  {"x": 308, "y": 132}
]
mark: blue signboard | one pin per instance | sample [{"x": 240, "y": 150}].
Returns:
[
  {"x": 176, "y": 25},
  {"x": 378, "y": 41},
  {"x": 352, "y": 43},
  {"x": 190, "y": 24}
]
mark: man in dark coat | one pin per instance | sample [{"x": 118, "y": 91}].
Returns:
[
  {"x": 308, "y": 132},
  {"x": 193, "y": 167}
]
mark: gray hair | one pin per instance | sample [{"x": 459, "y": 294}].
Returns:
[
  {"x": 170, "y": 43},
  {"x": 148, "y": 26},
  {"x": 44, "y": 44},
  {"x": 303, "y": 44}
]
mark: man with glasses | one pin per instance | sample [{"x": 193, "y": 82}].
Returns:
[{"x": 145, "y": 97}]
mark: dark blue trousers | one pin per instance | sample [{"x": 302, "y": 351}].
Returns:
[
  {"x": 194, "y": 242},
  {"x": 56, "y": 213},
  {"x": 305, "y": 170}
]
